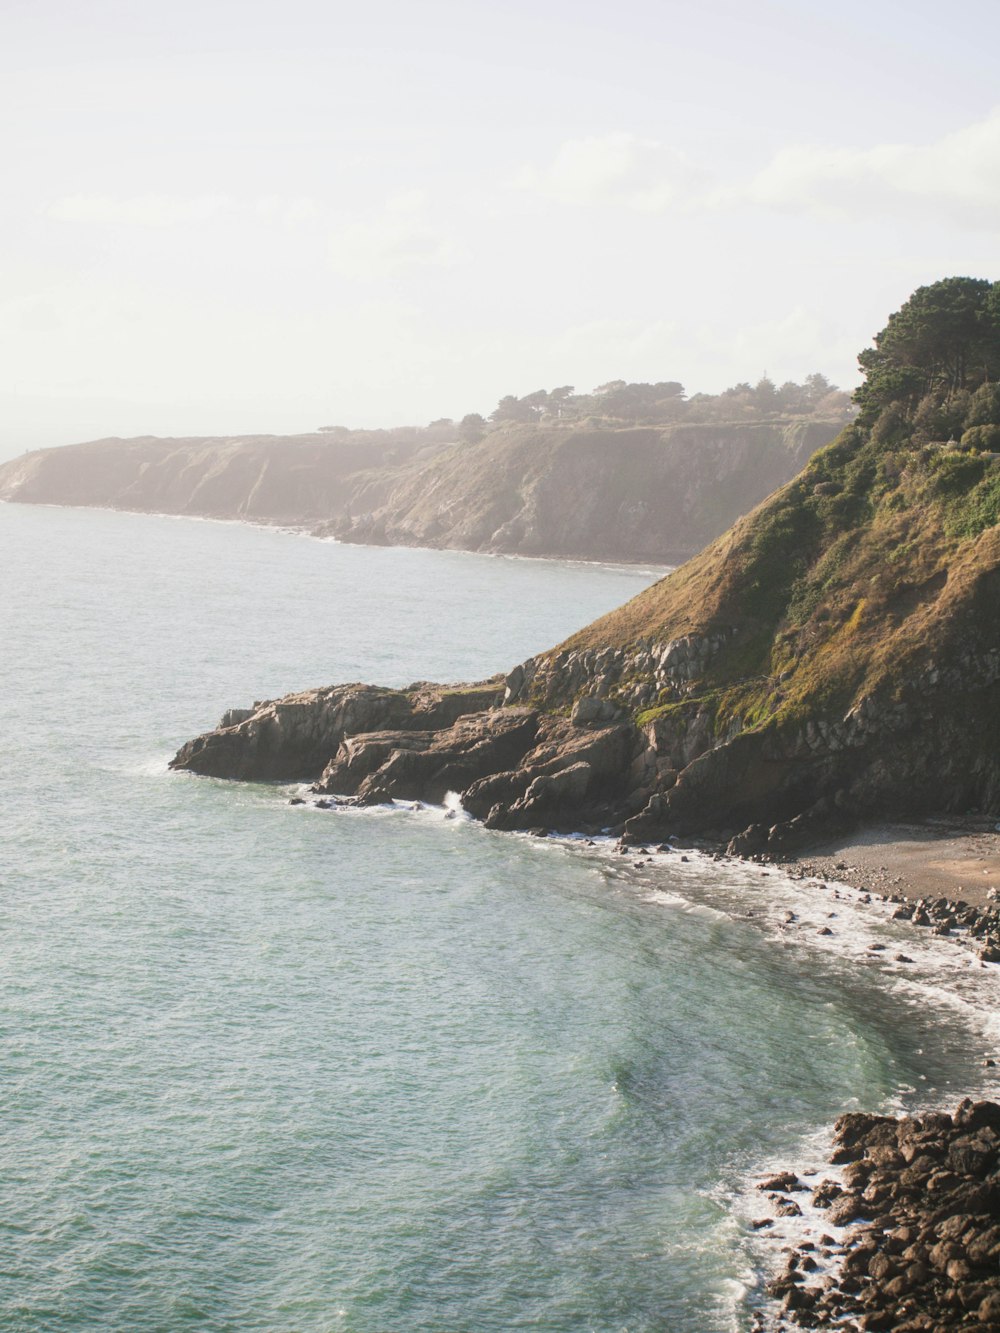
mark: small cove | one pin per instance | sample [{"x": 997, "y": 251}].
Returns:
[{"x": 270, "y": 1067}]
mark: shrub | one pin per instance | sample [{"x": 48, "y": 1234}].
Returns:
[{"x": 982, "y": 437}]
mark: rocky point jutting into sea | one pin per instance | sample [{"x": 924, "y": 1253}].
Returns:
[{"x": 832, "y": 657}]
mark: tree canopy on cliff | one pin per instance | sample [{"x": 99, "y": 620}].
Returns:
[
  {"x": 933, "y": 370},
  {"x": 625, "y": 403}
]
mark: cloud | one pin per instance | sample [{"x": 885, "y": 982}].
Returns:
[
  {"x": 289, "y": 211},
  {"x": 381, "y": 247},
  {"x": 622, "y": 342},
  {"x": 642, "y": 174},
  {"x": 955, "y": 178},
  {"x": 146, "y": 210}
]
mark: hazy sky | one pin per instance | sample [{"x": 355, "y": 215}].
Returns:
[{"x": 230, "y": 216}]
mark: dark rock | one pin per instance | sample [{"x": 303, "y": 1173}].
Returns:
[
  {"x": 783, "y": 1182},
  {"x": 825, "y": 1193},
  {"x": 971, "y": 1116},
  {"x": 928, "y": 1260},
  {"x": 847, "y": 1208},
  {"x": 787, "y": 1208}
]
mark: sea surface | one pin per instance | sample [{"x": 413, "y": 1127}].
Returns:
[{"x": 266, "y": 1067}]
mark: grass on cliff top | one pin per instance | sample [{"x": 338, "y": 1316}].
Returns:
[{"x": 863, "y": 569}]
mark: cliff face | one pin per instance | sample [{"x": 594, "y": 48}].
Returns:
[
  {"x": 648, "y": 494},
  {"x": 835, "y": 654},
  {"x": 644, "y": 494},
  {"x": 296, "y": 479}
]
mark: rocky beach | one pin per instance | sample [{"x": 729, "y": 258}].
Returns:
[
  {"x": 948, "y": 857},
  {"x": 904, "y": 1233},
  {"x": 907, "y": 1233}
]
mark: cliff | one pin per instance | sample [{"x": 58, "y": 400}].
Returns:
[
  {"x": 295, "y": 479},
  {"x": 834, "y": 654},
  {"x": 648, "y": 493},
  {"x": 644, "y": 494}
]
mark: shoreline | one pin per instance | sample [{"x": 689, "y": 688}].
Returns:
[
  {"x": 657, "y": 569},
  {"x": 941, "y": 857},
  {"x": 901, "y": 1230}
]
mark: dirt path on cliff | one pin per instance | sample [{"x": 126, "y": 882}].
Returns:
[{"x": 933, "y": 859}]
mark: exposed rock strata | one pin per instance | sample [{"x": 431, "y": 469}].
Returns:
[
  {"x": 676, "y": 769},
  {"x": 646, "y": 493},
  {"x": 294, "y": 738},
  {"x": 514, "y": 767}
]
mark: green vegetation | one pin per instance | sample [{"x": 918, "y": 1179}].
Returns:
[
  {"x": 934, "y": 368},
  {"x": 856, "y": 576},
  {"x": 619, "y": 403}
]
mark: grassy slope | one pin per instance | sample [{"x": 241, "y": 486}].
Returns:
[{"x": 873, "y": 566}]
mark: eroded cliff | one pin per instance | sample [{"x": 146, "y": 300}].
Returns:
[
  {"x": 649, "y": 493},
  {"x": 296, "y": 479},
  {"x": 645, "y": 494},
  {"x": 832, "y": 656}
]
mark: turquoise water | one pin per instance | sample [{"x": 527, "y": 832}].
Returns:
[{"x": 271, "y": 1068}]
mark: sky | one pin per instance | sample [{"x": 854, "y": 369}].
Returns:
[{"x": 229, "y": 217}]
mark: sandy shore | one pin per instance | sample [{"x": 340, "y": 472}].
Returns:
[{"x": 955, "y": 858}]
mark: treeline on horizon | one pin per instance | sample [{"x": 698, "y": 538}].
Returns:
[{"x": 619, "y": 404}]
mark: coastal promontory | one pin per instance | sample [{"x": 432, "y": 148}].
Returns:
[
  {"x": 634, "y": 473},
  {"x": 833, "y": 656}
]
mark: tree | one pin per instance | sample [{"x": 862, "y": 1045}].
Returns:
[
  {"x": 817, "y": 386},
  {"x": 560, "y": 401},
  {"x": 641, "y": 402},
  {"x": 528, "y": 408},
  {"x": 471, "y": 428},
  {"x": 945, "y": 339},
  {"x": 765, "y": 395}
]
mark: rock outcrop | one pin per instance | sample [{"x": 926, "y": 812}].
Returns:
[
  {"x": 514, "y": 768},
  {"x": 294, "y": 738}
]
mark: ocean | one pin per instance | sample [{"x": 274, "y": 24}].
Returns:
[{"x": 267, "y": 1067}]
